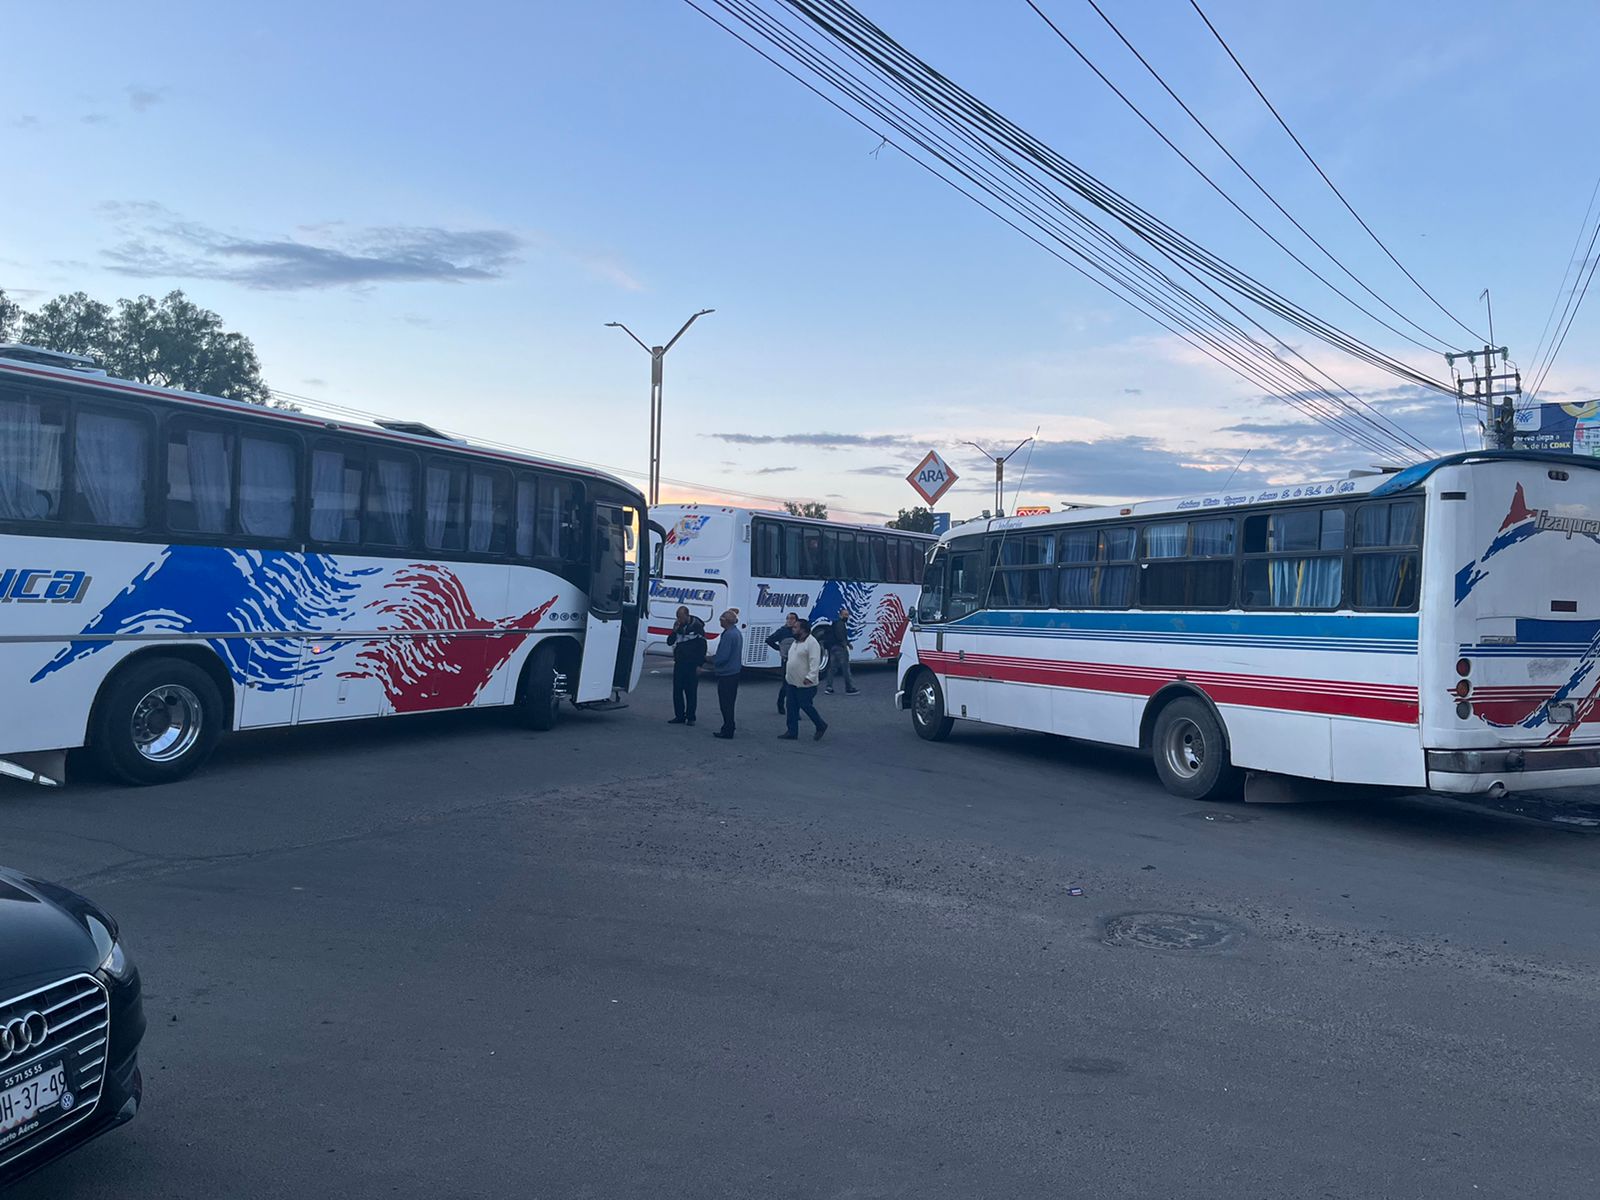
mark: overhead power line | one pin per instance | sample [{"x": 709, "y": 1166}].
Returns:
[
  {"x": 1350, "y": 208},
  {"x": 1562, "y": 291},
  {"x": 1569, "y": 313},
  {"x": 1246, "y": 172},
  {"x": 1016, "y": 178}
]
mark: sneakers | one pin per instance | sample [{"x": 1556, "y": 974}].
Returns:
[
  {"x": 723, "y": 736},
  {"x": 788, "y": 737},
  {"x": 852, "y": 691},
  {"x": 827, "y": 691},
  {"x": 817, "y": 736},
  {"x": 675, "y": 721}
]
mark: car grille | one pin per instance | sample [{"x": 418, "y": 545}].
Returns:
[{"x": 78, "y": 1013}]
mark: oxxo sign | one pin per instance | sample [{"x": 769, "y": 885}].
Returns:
[{"x": 932, "y": 477}]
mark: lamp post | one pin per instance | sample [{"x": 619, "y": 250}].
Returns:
[
  {"x": 999, "y": 473},
  {"x": 657, "y": 355}
]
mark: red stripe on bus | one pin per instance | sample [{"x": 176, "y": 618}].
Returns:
[{"x": 1370, "y": 701}]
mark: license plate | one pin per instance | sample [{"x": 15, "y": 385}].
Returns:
[{"x": 44, "y": 1089}]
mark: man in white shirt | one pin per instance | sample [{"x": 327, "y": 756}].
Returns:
[{"x": 800, "y": 677}]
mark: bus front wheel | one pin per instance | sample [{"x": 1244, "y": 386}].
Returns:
[
  {"x": 927, "y": 708},
  {"x": 157, "y": 722},
  {"x": 540, "y": 704},
  {"x": 1191, "y": 753}
]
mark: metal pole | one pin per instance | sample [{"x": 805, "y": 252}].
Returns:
[{"x": 658, "y": 356}]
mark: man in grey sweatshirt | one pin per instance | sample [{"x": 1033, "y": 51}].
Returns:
[{"x": 726, "y": 665}]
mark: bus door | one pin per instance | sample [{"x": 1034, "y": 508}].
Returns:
[{"x": 612, "y": 633}]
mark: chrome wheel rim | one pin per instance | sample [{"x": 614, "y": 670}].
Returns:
[
  {"x": 926, "y": 704},
  {"x": 1185, "y": 748},
  {"x": 166, "y": 723}
]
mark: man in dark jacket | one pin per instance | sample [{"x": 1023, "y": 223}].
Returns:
[
  {"x": 836, "y": 639},
  {"x": 688, "y": 642}
]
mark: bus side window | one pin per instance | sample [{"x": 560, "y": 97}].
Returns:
[
  {"x": 391, "y": 499},
  {"x": 830, "y": 555},
  {"x": 335, "y": 495},
  {"x": 877, "y": 544},
  {"x": 965, "y": 586},
  {"x": 111, "y": 460},
  {"x": 31, "y": 435},
  {"x": 489, "y": 515},
  {"x": 795, "y": 561},
  {"x": 930, "y": 605},
  {"x": 199, "y": 478},
  {"x": 526, "y": 515},
  {"x": 444, "y": 513},
  {"x": 766, "y": 549},
  {"x": 268, "y": 475}
]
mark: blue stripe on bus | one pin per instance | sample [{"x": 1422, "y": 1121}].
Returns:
[
  {"x": 1539, "y": 637},
  {"x": 1358, "y": 633}
]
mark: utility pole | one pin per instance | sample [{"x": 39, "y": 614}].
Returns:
[
  {"x": 657, "y": 355},
  {"x": 999, "y": 473},
  {"x": 1499, "y": 425}
]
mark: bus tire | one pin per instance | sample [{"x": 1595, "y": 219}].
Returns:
[
  {"x": 928, "y": 716},
  {"x": 1190, "y": 749},
  {"x": 156, "y": 722},
  {"x": 539, "y": 706}
]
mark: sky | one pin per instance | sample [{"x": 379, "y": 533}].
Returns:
[{"x": 432, "y": 214}]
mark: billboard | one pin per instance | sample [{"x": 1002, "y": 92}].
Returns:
[{"x": 1561, "y": 428}]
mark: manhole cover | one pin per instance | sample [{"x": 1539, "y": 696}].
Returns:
[{"x": 1169, "y": 931}]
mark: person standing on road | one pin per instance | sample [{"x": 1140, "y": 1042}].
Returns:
[
  {"x": 688, "y": 642},
  {"x": 781, "y": 639},
  {"x": 837, "y": 641},
  {"x": 800, "y": 677},
  {"x": 725, "y": 665}
]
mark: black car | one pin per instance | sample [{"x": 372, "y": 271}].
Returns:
[{"x": 70, "y": 1025}]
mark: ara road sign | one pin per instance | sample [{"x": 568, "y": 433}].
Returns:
[{"x": 932, "y": 477}]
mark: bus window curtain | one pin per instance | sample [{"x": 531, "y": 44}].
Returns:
[
  {"x": 266, "y": 488},
  {"x": 112, "y": 466},
  {"x": 480, "y": 530},
  {"x": 1405, "y": 523},
  {"x": 436, "y": 512},
  {"x": 1166, "y": 541},
  {"x": 209, "y": 479},
  {"x": 526, "y": 514},
  {"x": 389, "y": 507},
  {"x": 30, "y": 463},
  {"x": 1307, "y": 582},
  {"x": 328, "y": 510}
]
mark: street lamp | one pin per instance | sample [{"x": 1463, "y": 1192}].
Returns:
[
  {"x": 657, "y": 354},
  {"x": 999, "y": 473}
]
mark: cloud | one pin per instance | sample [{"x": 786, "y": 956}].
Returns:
[
  {"x": 821, "y": 441},
  {"x": 26, "y": 121},
  {"x": 142, "y": 98},
  {"x": 95, "y": 118},
  {"x": 158, "y": 244},
  {"x": 313, "y": 381},
  {"x": 1133, "y": 391},
  {"x": 774, "y": 470},
  {"x": 1123, "y": 467},
  {"x": 887, "y": 470}
]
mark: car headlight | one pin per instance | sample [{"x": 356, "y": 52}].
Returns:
[{"x": 117, "y": 964}]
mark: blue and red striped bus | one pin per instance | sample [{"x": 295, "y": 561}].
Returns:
[{"x": 1432, "y": 629}]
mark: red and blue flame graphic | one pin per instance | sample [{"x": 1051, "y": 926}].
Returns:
[
  {"x": 878, "y": 617},
  {"x": 236, "y": 600}
]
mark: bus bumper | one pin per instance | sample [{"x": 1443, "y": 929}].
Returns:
[{"x": 1468, "y": 772}]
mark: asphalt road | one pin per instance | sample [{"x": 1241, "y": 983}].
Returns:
[{"x": 445, "y": 958}]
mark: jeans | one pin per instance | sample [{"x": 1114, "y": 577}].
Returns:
[
  {"x": 727, "y": 697},
  {"x": 801, "y": 700},
  {"x": 685, "y": 689},
  {"x": 839, "y": 664}
]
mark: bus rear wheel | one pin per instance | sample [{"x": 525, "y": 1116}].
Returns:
[
  {"x": 540, "y": 703},
  {"x": 156, "y": 722},
  {"x": 1191, "y": 753},
  {"x": 928, "y": 717}
]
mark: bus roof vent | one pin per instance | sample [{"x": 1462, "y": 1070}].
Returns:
[
  {"x": 415, "y": 429},
  {"x": 18, "y": 352}
]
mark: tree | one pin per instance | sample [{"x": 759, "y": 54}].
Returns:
[
  {"x": 913, "y": 520},
  {"x": 171, "y": 342},
  {"x": 807, "y": 508},
  {"x": 10, "y": 314}
]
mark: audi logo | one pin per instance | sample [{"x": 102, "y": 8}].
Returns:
[{"x": 23, "y": 1033}]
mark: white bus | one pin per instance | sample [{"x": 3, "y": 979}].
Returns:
[
  {"x": 769, "y": 564},
  {"x": 1436, "y": 629},
  {"x": 173, "y": 566}
]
